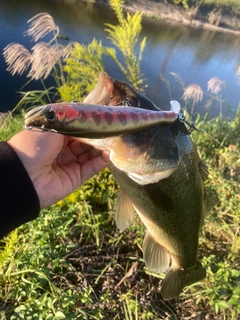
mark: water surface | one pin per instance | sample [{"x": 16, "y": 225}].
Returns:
[{"x": 175, "y": 56}]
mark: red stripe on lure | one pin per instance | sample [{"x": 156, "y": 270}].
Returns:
[{"x": 95, "y": 121}]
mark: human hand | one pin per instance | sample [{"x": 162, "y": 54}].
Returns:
[{"x": 56, "y": 164}]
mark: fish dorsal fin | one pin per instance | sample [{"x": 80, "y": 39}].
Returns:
[
  {"x": 203, "y": 169},
  {"x": 124, "y": 211},
  {"x": 156, "y": 257}
]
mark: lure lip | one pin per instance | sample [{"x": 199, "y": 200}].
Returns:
[{"x": 35, "y": 113}]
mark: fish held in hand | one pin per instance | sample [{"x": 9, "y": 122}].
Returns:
[{"x": 160, "y": 175}]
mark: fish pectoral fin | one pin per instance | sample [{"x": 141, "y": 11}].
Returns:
[
  {"x": 124, "y": 211},
  {"x": 156, "y": 257},
  {"x": 176, "y": 279}
]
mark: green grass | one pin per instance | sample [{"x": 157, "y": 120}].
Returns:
[
  {"x": 231, "y": 5},
  {"x": 72, "y": 262}
]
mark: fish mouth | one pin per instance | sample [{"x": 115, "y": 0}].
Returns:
[
  {"x": 102, "y": 92},
  {"x": 34, "y": 114}
]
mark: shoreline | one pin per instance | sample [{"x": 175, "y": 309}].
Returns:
[{"x": 213, "y": 20}]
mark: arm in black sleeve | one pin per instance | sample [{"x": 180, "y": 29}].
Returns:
[{"x": 19, "y": 201}]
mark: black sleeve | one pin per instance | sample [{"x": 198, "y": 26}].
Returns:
[{"x": 19, "y": 201}]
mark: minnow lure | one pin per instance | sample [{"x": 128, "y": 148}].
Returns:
[{"x": 95, "y": 121}]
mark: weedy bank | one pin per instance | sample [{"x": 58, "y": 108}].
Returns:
[{"x": 72, "y": 262}]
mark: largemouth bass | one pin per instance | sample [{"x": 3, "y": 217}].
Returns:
[{"x": 157, "y": 167}]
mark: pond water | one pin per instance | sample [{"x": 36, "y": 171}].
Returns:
[{"x": 175, "y": 56}]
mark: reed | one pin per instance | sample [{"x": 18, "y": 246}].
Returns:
[
  {"x": 41, "y": 25},
  {"x": 17, "y": 57},
  {"x": 193, "y": 93},
  {"x": 215, "y": 85}
]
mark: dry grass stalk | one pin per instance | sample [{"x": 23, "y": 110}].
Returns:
[
  {"x": 215, "y": 85},
  {"x": 40, "y": 25},
  {"x": 68, "y": 50},
  {"x": 44, "y": 56},
  {"x": 43, "y": 59},
  {"x": 17, "y": 57},
  {"x": 193, "y": 92}
]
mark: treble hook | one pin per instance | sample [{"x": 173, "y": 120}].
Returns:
[{"x": 191, "y": 124}]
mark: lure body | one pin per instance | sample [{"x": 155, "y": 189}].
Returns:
[{"x": 95, "y": 121}]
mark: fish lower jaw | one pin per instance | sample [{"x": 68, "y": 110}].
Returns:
[
  {"x": 144, "y": 179},
  {"x": 97, "y": 143}
]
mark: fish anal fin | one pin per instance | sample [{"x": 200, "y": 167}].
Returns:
[
  {"x": 176, "y": 279},
  {"x": 124, "y": 211},
  {"x": 156, "y": 257}
]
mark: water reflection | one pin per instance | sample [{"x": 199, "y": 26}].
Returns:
[{"x": 175, "y": 55}]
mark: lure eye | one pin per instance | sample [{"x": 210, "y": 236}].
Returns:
[
  {"x": 51, "y": 116},
  {"x": 130, "y": 102}
]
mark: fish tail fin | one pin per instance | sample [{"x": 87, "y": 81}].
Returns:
[{"x": 176, "y": 279}]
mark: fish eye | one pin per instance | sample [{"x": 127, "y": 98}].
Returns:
[
  {"x": 50, "y": 116},
  {"x": 130, "y": 102}
]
